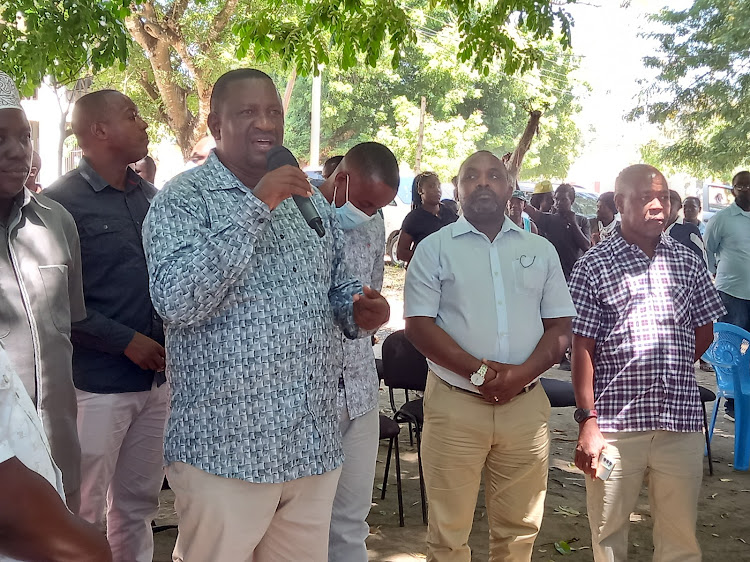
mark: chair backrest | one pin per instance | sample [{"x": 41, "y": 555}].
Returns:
[
  {"x": 729, "y": 354},
  {"x": 403, "y": 366}
]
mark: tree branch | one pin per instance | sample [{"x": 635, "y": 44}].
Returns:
[
  {"x": 516, "y": 159},
  {"x": 219, "y": 24},
  {"x": 178, "y": 10}
]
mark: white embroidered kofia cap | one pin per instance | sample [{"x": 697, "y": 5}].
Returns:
[{"x": 9, "y": 98}]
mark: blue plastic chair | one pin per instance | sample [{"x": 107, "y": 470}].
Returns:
[{"x": 730, "y": 356}]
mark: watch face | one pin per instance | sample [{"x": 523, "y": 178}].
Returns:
[{"x": 477, "y": 379}]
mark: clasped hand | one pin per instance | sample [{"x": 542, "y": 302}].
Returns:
[{"x": 501, "y": 382}]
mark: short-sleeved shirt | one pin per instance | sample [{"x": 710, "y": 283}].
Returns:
[
  {"x": 419, "y": 224},
  {"x": 557, "y": 230},
  {"x": 489, "y": 296},
  {"x": 21, "y": 433},
  {"x": 642, "y": 313},
  {"x": 728, "y": 244}
]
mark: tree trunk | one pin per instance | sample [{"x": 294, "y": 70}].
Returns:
[{"x": 516, "y": 159}]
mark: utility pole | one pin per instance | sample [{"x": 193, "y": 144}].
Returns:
[
  {"x": 420, "y": 137},
  {"x": 315, "y": 122}
]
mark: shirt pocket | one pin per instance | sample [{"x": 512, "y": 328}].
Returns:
[
  {"x": 679, "y": 299},
  {"x": 103, "y": 240},
  {"x": 529, "y": 274},
  {"x": 55, "y": 280}
]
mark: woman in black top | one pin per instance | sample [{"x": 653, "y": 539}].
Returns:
[{"x": 428, "y": 214}]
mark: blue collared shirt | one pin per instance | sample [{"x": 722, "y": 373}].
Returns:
[
  {"x": 115, "y": 279},
  {"x": 251, "y": 299},
  {"x": 728, "y": 244},
  {"x": 489, "y": 296}
]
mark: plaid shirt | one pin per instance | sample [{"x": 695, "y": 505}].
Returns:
[{"x": 642, "y": 313}]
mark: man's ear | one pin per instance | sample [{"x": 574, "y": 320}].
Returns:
[
  {"x": 99, "y": 131},
  {"x": 618, "y": 202},
  {"x": 214, "y": 125}
]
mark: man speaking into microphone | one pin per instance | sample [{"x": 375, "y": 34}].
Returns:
[{"x": 253, "y": 301}]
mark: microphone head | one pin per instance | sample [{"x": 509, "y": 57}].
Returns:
[{"x": 280, "y": 156}]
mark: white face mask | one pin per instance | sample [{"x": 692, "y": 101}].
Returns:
[{"x": 349, "y": 216}]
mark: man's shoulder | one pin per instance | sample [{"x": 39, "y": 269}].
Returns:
[
  {"x": 65, "y": 186},
  {"x": 48, "y": 207}
]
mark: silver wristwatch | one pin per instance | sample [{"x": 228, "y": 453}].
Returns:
[{"x": 477, "y": 377}]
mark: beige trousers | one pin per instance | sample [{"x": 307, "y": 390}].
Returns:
[
  {"x": 463, "y": 436},
  {"x": 672, "y": 464},
  {"x": 230, "y": 520}
]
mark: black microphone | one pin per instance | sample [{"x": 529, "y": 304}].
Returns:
[{"x": 280, "y": 156}]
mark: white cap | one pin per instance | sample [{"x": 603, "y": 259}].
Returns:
[{"x": 9, "y": 98}]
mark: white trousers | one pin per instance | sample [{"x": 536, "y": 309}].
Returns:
[
  {"x": 351, "y": 506},
  {"x": 122, "y": 467}
]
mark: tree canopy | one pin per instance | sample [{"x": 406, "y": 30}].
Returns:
[
  {"x": 183, "y": 44},
  {"x": 702, "y": 90},
  {"x": 64, "y": 40}
]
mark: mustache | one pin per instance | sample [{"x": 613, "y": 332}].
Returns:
[{"x": 479, "y": 191}]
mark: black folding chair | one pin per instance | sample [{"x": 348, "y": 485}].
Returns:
[{"x": 405, "y": 368}]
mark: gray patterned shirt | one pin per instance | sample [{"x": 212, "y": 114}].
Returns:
[
  {"x": 364, "y": 250},
  {"x": 250, "y": 299}
]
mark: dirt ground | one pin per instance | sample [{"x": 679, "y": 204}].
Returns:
[{"x": 723, "y": 531}]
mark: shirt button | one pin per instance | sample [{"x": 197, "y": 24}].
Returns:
[
  {"x": 309, "y": 341},
  {"x": 281, "y": 236},
  {"x": 500, "y": 302},
  {"x": 305, "y": 303},
  {"x": 294, "y": 269},
  {"x": 261, "y": 220},
  {"x": 311, "y": 377},
  {"x": 106, "y": 227}
]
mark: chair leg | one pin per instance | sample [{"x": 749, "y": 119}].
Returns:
[
  {"x": 411, "y": 434},
  {"x": 398, "y": 484},
  {"x": 387, "y": 467},
  {"x": 713, "y": 417},
  {"x": 708, "y": 441},
  {"x": 417, "y": 431}
]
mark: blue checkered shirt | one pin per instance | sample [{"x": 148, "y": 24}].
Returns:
[
  {"x": 251, "y": 299},
  {"x": 643, "y": 313}
]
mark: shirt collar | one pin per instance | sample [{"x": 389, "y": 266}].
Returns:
[
  {"x": 98, "y": 183},
  {"x": 214, "y": 168},
  {"x": 463, "y": 226},
  {"x": 621, "y": 246},
  {"x": 735, "y": 209}
]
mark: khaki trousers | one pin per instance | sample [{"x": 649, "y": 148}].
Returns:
[
  {"x": 672, "y": 464},
  {"x": 230, "y": 520},
  {"x": 463, "y": 436}
]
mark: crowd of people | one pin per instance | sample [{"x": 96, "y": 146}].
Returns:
[{"x": 206, "y": 332}]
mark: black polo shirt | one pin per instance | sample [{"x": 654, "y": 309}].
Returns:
[{"x": 419, "y": 224}]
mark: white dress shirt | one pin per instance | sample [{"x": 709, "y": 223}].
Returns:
[
  {"x": 21, "y": 432},
  {"x": 489, "y": 296}
]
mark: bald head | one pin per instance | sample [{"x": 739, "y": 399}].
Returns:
[
  {"x": 638, "y": 174},
  {"x": 92, "y": 108},
  {"x": 643, "y": 199},
  {"x": 201, "y": 150}
]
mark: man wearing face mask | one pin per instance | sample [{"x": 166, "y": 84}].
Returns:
[{"x": 365, "y": 180}]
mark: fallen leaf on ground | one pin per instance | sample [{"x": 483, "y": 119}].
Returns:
[
  {"x": 565, "y": 510},
  {"x": 725, "y": 479},
  {"x": 635, "y": 517},
  {"x": 563, "y": 548}
]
